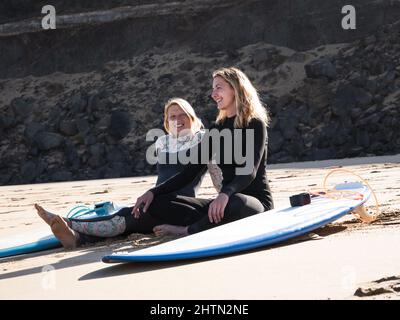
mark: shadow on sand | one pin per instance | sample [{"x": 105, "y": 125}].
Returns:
[
  {"x": 119, "y": 269},
  {"x": 94, "y": 254}
]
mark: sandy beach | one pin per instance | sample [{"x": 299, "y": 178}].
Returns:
[{"x": 347, "y": 259}]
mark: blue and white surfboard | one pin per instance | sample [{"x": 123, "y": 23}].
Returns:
[{"x": 256, "y": 231}]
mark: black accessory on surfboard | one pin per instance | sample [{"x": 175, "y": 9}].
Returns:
[{"x": 300, "y": 199}]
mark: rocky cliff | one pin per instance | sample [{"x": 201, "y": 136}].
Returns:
[
  {"x": 76, "y": 102},
  {"x": 90, "y": 33}
]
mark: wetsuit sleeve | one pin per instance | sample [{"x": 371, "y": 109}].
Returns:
[
  {"x": 186, "y": 176},
  {"x": 240, "y": 182}
]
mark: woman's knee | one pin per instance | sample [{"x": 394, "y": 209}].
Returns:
[
  {"x": 242, "y": 205},
  {"x": 236, "y": 201},
  {"x": 160, "y": 206},
  {"x": 160, "y": 202}
]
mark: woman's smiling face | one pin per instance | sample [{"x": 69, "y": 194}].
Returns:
[
  {"x": 224, "y": 95},
  {"x": 178, "y": 120}
]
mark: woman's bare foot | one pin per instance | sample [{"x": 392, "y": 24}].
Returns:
[
  {"x": 45, "y": 215},
  {"x": 67, "y": 237},
  {"x": 170, "y": 230},
  {"x": 48, "y": 216}
]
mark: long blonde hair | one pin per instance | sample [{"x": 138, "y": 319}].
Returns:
[
  {"x": 195, "y": 122},
  {"x": 247, "y": 101}
]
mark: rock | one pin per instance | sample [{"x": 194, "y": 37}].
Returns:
[
  {"x": 118, "y": 154},
  {"x": 22, "y": 107},
  {"x": 119, "y": 169},
  {"x": 370, "y": 110},
  {"x": 167, "y": 78},
  {"x": 376, "y": 148},
  {"x": 149, "y": 63},
  {"x": 369, "y": 40},
  {"x": 32, "y": 129},
  {"x": 281, "y": 157},
  {"x": 316, "y": 94},
  {"x": 90, "y": 140},
  {"x": 362, "y": 97},
  {"x": 320, "y": 68},
  {"x": 288, "y": 126},
  {"x": 83, "y": 126},
  {"x": 103, "y": 123},
  {"x": 53, "y": 88},
  {"x": 263, "y": 59},
  {"x": 283, "y": 101},
  {"x": 157, "y": 108},
  {"x": 96, "y": 162},
  {"x": 271, "y": 78},
  {"x": 5, "y": 178},
  {"x": 260, "y": 59},
  {"x": 68, "y": 127},
  {"x": 378, "y": 99},
  {"x": 362, "y": 139},
  {"x": 97, "y": 150},
  {"x": 275, "y": 142},
  {"x": 371, "y": 85},
  {"x": 268, "y": 100},
  {"x": 376, "y": 67},
  {"x": 354, "y": 151},
  {"x": 357, "y": 80},
  {"x": 329, "y": 130},
  {"x": 347, "y": 97},
  {"x": 98, "y": 101},
  {"x": 302, "y": 113},
  {"x": 28, "y": 171},
  {"x": 396, "y": 287},
  {"x": 55, "y": 115},
  {"x": 139, "y": 167},
  {"x": 7, "y": 120},
  {"x": 187, "y": 65},
  {"x": 120, "y": 124},
  {"x": 388, "y": 78},
  {"x": 297, "y": 57},
  {"x": 372, "y": 291},
  {"x": 62, "y": 176},
  {"x": 356, "y": 113},
  {"x": 71, "y": 155},
  {"x": 369, "y": 120},
  {"x": 31, "y": 170},
  {"x": 78, "y": 103},
  {"x": 48, "y": 140}
]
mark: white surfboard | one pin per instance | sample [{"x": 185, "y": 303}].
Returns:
[{"x": 259, "y": 230}]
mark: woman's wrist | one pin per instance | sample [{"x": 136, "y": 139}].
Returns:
[{"x": 152, "y": 190}]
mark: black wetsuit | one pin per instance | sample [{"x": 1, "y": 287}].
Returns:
[
  {"x": 248, "y": 193},
  {"x": 167, "y": 170}
]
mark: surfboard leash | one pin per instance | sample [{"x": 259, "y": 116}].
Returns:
[{"x": 349, "y": 194}]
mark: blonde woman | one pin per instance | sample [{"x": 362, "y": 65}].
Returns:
[
  {"x": 184, "y": 130},
  {"x": 241, "y": 195}
]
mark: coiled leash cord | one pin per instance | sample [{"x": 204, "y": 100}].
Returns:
[{"x": 349, "y": 194}]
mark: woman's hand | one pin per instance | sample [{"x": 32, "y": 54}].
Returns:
[
  {"x": 217, "y": 208},
  {"x": 143, "y": 201}
]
